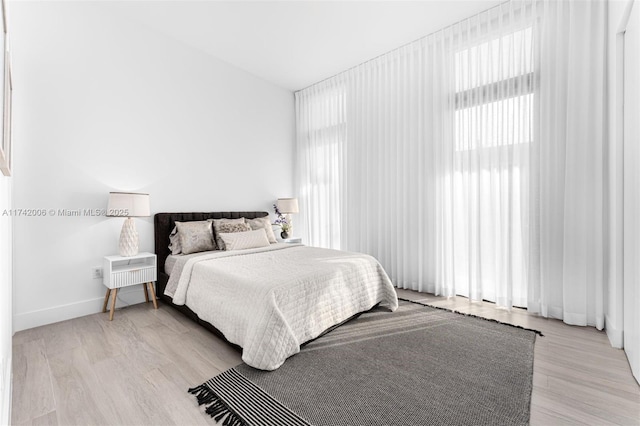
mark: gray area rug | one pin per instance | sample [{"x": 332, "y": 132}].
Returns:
[{"x": 417, "y": 366}]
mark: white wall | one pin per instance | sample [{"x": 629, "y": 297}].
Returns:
[
  {"x": 5, "y": 300},
  {"x": 103, "y": 103},
  {"x": 631, "y": 225},
  {"x": 614, "y": 176},
  {"x": 6, "y": 296}
]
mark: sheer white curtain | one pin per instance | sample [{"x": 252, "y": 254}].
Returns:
[
  {"x": 470, "y": 162},
  {"x": 321, "y": 120},
  {"x": 566, "y": 274}
]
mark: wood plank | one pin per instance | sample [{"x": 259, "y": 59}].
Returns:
[
  {"x": 126, "y": 335},
  {"x": 175, "y": 320},
  {"x": 79, "y": 395},
  {"x": 61, "y": 336},
  {"x": 598, "y": 398},
  {"x": 125, "y": 389},
  {"x": 98, "y": 344},
  {"x": 180, "y": 351},
  {"x": 29, "y": 335},
  {"x": 32, "y": 390},
  {"x": 49, "y": 419},
  {"x": 181, "y": 407}
]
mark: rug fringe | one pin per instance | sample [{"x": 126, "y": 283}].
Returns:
[
  {"x": 216, "y": 407},
  {"x": 538, "y": 332}
]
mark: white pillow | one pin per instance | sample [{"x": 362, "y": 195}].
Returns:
[
  {"x": 263, "y": 223},
  {"x": 245, "y": 240}
]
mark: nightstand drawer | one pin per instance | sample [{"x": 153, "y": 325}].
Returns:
[
  {"x": 131, "y": 277},
  {"x": 125, "y": 271}
]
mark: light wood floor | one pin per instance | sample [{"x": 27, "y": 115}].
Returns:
[{"x": 137, "y": 368}]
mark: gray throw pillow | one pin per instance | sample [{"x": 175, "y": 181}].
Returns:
[
  {"x": 195, "y": 236},
  {"x": 174, "y": 241},
  {"x": 263, "y": 223}
]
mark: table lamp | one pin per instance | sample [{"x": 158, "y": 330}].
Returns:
[
  {"x": 129, "y": 205},
  {"x": 286, "y": 207}
]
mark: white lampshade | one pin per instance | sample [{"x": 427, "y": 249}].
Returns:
[
  {"x": 128, "y": 204},
  {"x": 288, "y": 205}
]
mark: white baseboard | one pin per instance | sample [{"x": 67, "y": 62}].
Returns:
[
  {"x": 23, "y": 321},
  {"x": 5, "y": 392},
  {"x": 615, "y": 335}
]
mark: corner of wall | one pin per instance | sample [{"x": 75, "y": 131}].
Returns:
[{"x": 615, "y": 334}]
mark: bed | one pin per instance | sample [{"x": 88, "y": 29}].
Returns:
[{"x": 267, "y": 300}]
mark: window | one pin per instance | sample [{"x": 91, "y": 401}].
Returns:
[{"x": 494, "y": 92}]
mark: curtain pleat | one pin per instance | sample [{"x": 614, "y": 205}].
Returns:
[{"x": 470, "y": 161}]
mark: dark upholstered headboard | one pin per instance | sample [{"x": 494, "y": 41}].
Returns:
[{"x": 163, "y": 225}]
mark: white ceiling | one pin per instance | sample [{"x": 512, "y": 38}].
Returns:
[{"x": 294, "y": 44}]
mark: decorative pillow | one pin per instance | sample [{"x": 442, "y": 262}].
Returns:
[
  {"x": 263, "y": 223},
  {"x": 216, "y": 228},
  {"x": 174, "y": 241},
  {"x": 195, "y": 236},
  {"x": 230, "y": 228},
  {"x": 245, "y": 240}
]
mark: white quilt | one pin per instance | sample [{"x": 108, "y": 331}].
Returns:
[{"x": 273, "y": 299}]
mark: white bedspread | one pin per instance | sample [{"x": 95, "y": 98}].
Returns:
[{"x": 273, "y": 299}]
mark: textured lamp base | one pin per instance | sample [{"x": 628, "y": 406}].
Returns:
[
  {"x": 290, "y": 220},
  {"x": 128, "y": 239}
]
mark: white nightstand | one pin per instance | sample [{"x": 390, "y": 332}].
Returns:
[
  {"x": 293, "y": 240},
  {"x": 122, "y": 271}
]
